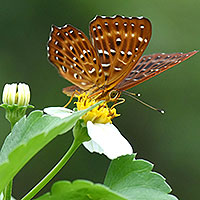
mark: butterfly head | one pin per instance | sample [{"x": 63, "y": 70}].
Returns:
[{"x": 107, "y": 95}]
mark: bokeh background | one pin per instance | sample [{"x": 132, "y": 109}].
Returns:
[{"x": 170, "y": 141}]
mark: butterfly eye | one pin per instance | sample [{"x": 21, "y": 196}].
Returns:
[{"x": 113, "y": 94}]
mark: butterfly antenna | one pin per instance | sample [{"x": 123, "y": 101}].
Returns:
[{"x": 133, "y": 95}]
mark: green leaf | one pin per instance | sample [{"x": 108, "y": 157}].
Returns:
[
  {"x": 127, "y": 179},
  {"x": 80, "y": 190},
  {"x": 134, "y": 180},
  {"x": 29, "y": 135}
]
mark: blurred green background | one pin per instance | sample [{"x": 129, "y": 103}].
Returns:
[{"x": 170, "y": 141}]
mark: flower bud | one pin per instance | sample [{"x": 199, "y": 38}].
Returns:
[
  {"x": 16, "y": 94},
  {"x": 16, "y": 98}
]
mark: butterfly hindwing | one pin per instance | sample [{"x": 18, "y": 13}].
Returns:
[{"x": 151, "y": 65}]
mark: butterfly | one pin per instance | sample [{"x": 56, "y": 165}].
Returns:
[{"x": 112, "y": 61}]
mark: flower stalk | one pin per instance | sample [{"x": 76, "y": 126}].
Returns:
[{"x": 80, "y": 136}]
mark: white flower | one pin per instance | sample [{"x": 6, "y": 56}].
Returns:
[
  {"x": 16, "y": 94},
  {"x": 105, "y": 138}
]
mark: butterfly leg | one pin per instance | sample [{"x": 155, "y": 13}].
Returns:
[
  {"x": 96, "y": 95},
  {"x": 72, "y": 96}
]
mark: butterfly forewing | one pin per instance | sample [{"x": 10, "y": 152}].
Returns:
[
  {"x": 151, "y": 65},
  {"x": 74, "y": 56},
  {"x": 120, "y": 42}
]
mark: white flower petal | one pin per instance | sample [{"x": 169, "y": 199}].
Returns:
[
  {"x": 27, "y": 94},
  {"x": 92, "y": 146},
  {"x": 58, "y": 112},
  {"x": 5, "y": 93},
  {"x": 21, "y": 94},
  {"x": 106, "y": 139},
  {"x": 11, "y": 93}
]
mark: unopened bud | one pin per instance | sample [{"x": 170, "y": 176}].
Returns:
[
  {"x": 16, "y": 94},
  {"x": 16, "y": 98}
]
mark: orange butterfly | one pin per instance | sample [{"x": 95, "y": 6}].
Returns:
[{"x": 111, "y": 62}]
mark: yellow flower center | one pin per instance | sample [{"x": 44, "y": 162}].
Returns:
[{"x": 100, "y": 114}]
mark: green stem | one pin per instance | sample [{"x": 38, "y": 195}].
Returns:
[
  {"x": 8, "y": 190},
  {"x": 54, "y": 171}
]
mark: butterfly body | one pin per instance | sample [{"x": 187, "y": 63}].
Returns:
[
  {"x": 97, "y": 93},
  {"x": 112, "y": 61}
]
